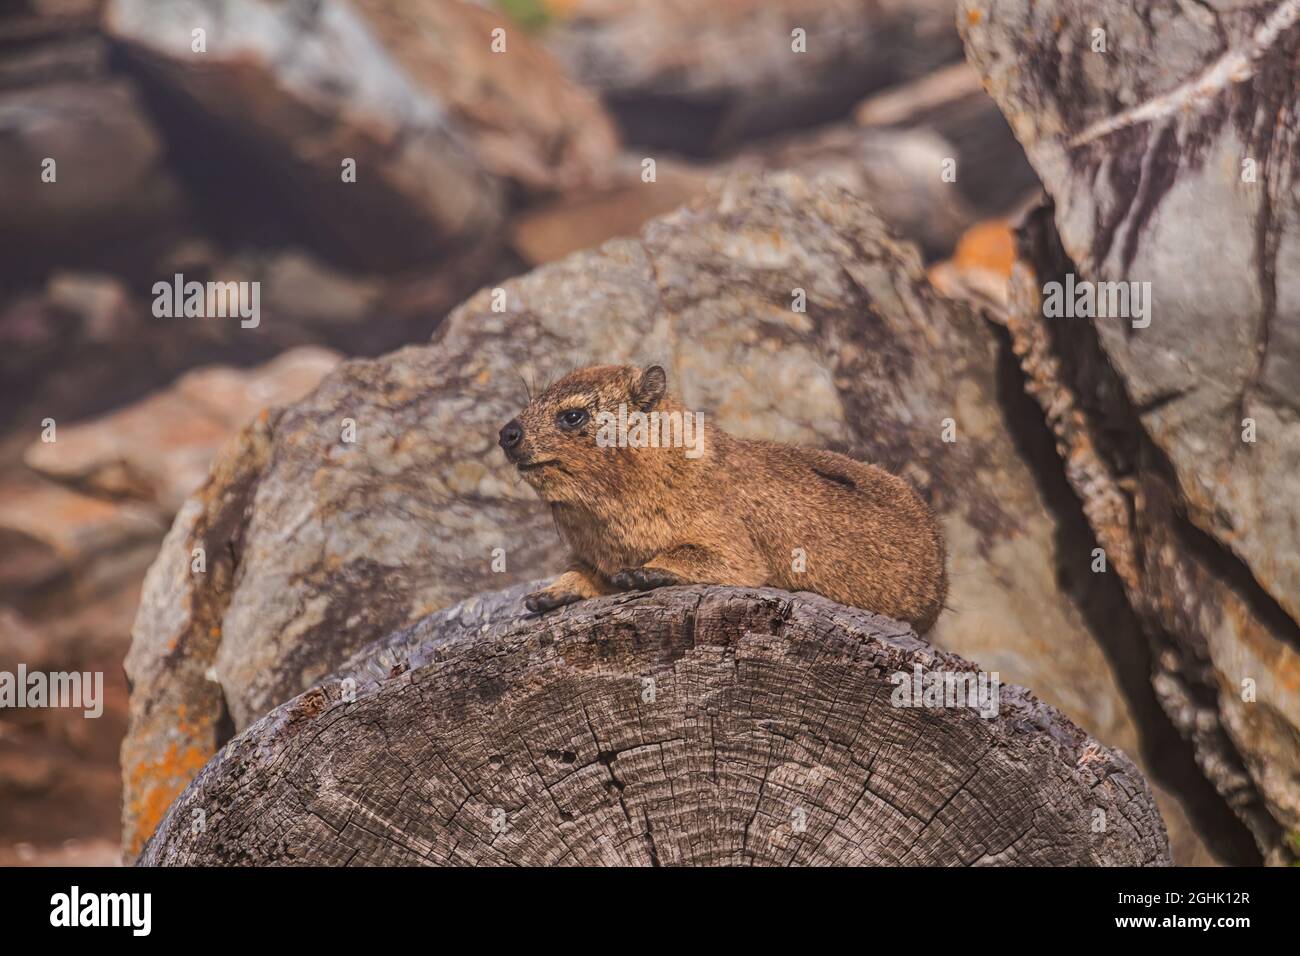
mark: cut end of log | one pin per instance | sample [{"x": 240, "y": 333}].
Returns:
[{"x": 683, "y": 726}]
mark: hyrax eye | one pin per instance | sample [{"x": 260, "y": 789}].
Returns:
[{"x": 573, "y": 418}]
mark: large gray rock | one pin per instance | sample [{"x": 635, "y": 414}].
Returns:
[
  {"x": 317, "y": 544},
  {"x": 1170, "y": 157},
  {"x": 1188, "y": 118}
]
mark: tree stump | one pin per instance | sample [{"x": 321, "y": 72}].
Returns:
[{"x": 687, "y": 725}]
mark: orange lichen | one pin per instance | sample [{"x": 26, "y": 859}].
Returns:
[
  {"x": 156, "y": 783},
  {"x": 989, "y": 245},
  {"x": 974, "y": 16}
]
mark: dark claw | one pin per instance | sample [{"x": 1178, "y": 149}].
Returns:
[
  {"x": 539, "y": 602},
  {"x": 644, "y": 579}
]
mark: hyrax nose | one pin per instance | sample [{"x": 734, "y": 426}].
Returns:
[{"x": 512, "y": 435}]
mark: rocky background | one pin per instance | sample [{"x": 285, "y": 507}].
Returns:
[{"x": 503, "y": 207}]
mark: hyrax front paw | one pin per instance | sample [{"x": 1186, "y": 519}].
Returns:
[
  {"x": 644, "y": 579},
  {"x": 539, "y": 602}
]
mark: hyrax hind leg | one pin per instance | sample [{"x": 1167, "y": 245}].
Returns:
[
  {"x": 694, "y": 564},
  {"x": 576, "y": 584}
]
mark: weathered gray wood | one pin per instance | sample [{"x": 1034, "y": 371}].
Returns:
[{"x": 682, "y": 726}]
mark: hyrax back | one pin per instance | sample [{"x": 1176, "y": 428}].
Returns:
[{"x": 646, "y": 494}]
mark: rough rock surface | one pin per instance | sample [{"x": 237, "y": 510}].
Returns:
[
  {"x": 1188, "y": 117},
  {"x": 318, "y": 545},
  {"x": 659, "y": 729},
  {"x": 1210, "y": 629}
]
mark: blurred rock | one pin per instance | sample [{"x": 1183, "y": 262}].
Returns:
[
  {"x": 102, "y": 302},
  {"x": 108, "y": 185},
  {"x": 59, "y": 60},
  {"x": 235, "y": 396},
  {"x": 439, "y": 125},
  {"x": 300, "y": 87},
  {"x": 899, "y": 172},
  {"x": 923, "y": 98},
  {"x": 19, "y": 640},
  {"x": 84, "y": 342},
  {"x": 299, "y": 286},
  {"x": 62, "y": 14},
  {"x": 527, "y": 120},
  {"x": 87, "y": 616},
  {"x": 306, "y": 299},
  {"x": 992, "y": 174},
  {"x": 71, "y": 563},
  {"x": 1170, "y": 159},
  {"x": 701, "y": 77},
  {"x": 31, "y": 330},
  {"x": 58, "y": 784},
  {"x": 158, "y": 451},
  {"x": 896, "y": 171},
  {"x": 67, "y": 853},
  {"x": 49, "y": 533},
  {"x": 550, "y": 231},
  {"x": 83, "y": 174},
  {"x": 318, "y": 545},
  {"x": 39, "y": 33}
]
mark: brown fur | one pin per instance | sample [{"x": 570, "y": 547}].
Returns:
[{"x": 638, "y": 518}]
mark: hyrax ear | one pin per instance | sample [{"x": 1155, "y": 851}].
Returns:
[{"x": 650, "y": 388}]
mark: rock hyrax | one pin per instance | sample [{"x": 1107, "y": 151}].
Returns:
[{"x": 647, "y": 500}]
